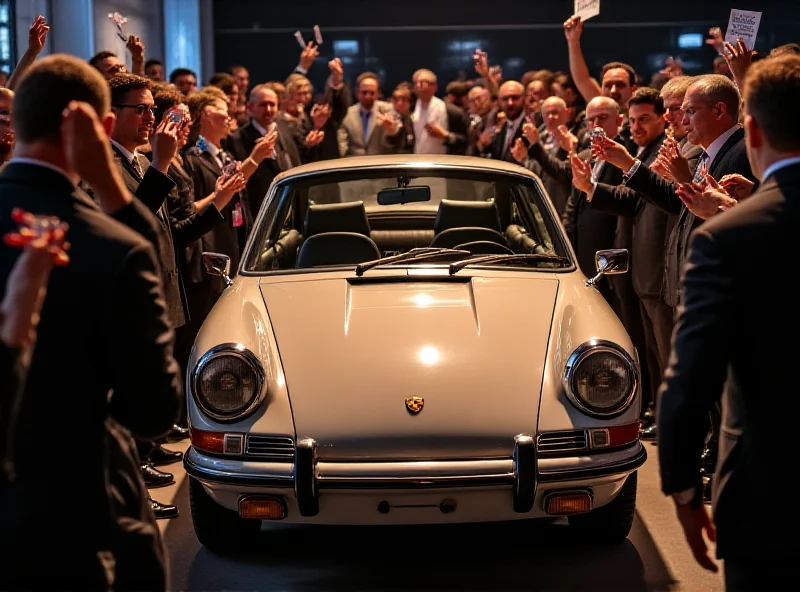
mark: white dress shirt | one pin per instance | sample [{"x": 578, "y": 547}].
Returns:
[{"x": 433, "y": 112}]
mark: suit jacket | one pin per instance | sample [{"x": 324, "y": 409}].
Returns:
[
  {"x": 403, "y": 141},
  {"x": 650, "y": 228},
  {"x": 732, "y": 158},
  {"x": 152, "y": 189},
  {"x": 457, "y": 127},
  {"x": 189, "y": 225},
  {"x": 339, "y": 101},
  {"x": 351, "y": 132},
  {"x": 555, "y": 170},
  {"x": 224, "y": 237},
  {"x": 241, "y": 145},
  {"x": 103, "y": 349},
  {"x": 726, "y": 343},
  {"x": 497, "y": 149},
  {"x": 588, "y": 228}
]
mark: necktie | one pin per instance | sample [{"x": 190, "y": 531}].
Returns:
[
  {"x": 137, "y": 166},
  {"x": 365, "y": 115},
  {"x": 702, "y": 167}
]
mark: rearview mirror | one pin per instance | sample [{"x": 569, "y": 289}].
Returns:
[
  {"x": 402, "y": 195},
  {"x": 219, "y": 265},
  {"x": 609, "y": 262}
]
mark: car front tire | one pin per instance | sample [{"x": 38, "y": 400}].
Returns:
[
  {"x": 611, "y": 523},
  {"x": 220, "y": 530}
]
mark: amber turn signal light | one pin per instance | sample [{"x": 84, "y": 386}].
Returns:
[
  {"x": 563, "y": 504},
  {"x": 208, "y": 441},
  {"x": 262, "y": 508}
]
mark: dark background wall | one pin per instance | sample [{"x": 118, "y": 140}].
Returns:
[{"x": 395, "y": 38}]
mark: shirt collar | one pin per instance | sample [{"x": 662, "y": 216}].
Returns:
[
  {"x": 129, "y": 155},
  {"x": 212, "y": 149},
  {"x": 41, "y": 163},
  {"x": 781, "y": 164},
  {"x": 717, "y": 144},
  {"x": 259, "y": 128}
]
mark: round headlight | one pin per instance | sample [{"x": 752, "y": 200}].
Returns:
[
  {"x": 601, "y": 379},
  {"x": 228, "y": 382}
]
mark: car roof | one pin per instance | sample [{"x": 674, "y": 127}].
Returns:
[{"x": 412, "y": 161}]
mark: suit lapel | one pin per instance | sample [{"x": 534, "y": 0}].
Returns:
[
  {"x": 210, "y": 163},
  {"x": 127, "y": 166},
  {"x": 726, "y": 147}
]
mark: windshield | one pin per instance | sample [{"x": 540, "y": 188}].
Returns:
[{"x": 347, "y": 218}]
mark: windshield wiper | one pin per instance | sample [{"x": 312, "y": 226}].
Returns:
[
  {"x": 536, "y": 257},
  {"x": 417, "y": 253}
]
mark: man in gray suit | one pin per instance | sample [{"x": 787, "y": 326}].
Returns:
[
  {"x": 363, "y": 128},
  {"x": 730, "y": 345}
]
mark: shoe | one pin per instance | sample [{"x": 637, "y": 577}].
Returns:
[
  {"x": 154, "y": 478},
  {"x": 177, "y": 433},
  {"x": 648, "y": 433},
  {"x": 160, "y": 456},
  {"x": 163, "y": 511}
]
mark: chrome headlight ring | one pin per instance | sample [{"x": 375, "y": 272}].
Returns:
[
  {"x": 586, "y": 350},
  {"x": 241, "y": 353}
]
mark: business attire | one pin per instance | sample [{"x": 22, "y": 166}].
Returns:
[
  {"x": 726, "y": 155},
  {"x": 504, "y": 138},
  {"x": 360, "y": 133},
  {"x": 650, "y": 226},
  {"x": 727, "y": 345},
  {"x": 103, "y": 350},
  {"x": 551, "y": 162},
  {"x": 284, "y": 157}
]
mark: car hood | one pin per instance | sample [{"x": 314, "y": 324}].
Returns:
[{"x": 473, "y": 350}]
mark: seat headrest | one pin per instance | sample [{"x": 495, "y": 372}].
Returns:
[
  {"x": 458, "y": 214},
  {"x": 336, "y": 248},
  {"x": 338, "y": 217}
]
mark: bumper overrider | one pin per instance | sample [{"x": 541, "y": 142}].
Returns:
[{"x": 308, "y": 476}]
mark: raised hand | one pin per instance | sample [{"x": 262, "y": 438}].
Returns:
[
  {"x": 86, "y": 145},
  {"x": 320, "y": 113},
  {"x": 573, "y": 29},
  {"x": 337, "y": 72},
  {"x": 669, "y": 155},
  {"x": 715, "y": 39},
  {"x": 164, "y": 143},
  {"x": 264, "y": 147},
  {"x": 530, "y": 132},
  {"x": 37, "y": 35},
  {"x": 566, "y": 139},
  {"x": 481, "y": 59},
  {"x": 737, "y": 186},
  {"x": 612, "y": 152},
  {"x": 581, "y": 173},
  {"x": 519, "y": 151},
  {"x": 308, "y": 55},
  {"x": 136, "y": 47},
  {"x": 314, "y": 137},
  {"x": 227, "y": 186},
  {"x": 739, "y": 59}
]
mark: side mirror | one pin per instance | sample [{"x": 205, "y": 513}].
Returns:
[
  {"x": 609, "y": 262},
  {"x": 219, "y": 265}
]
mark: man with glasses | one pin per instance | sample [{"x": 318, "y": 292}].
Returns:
[{"x": 132, "y": 104}]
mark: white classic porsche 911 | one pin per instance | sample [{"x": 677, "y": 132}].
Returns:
[{"x": 410, "y": 341}]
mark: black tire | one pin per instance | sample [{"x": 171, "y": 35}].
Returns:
[
  {"x": 220, "y": 530},
  {"x": 611, "y": 523}
]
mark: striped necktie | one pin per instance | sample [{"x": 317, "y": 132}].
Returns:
[{"x": 702, "y": 168}]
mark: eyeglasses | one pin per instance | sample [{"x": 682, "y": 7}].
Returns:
[{"x": 141, "y": 108}]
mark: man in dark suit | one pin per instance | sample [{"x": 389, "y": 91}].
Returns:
[
  {"x": 727, "y": 345},
  {"x": 642, "y": 229},
  {"x": 511, "y": 99},
  {"x": 103, "y": 329},
  {"x": 263, "y": 109}
]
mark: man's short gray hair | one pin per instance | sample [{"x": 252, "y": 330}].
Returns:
[
  {"x": 677, "y": 87},
  {"x": 716, "y": 88}
]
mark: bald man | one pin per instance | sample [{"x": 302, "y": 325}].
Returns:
[{"x": 512, "y": 100}]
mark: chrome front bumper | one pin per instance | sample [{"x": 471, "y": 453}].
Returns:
[{"x": 308, "y": 475}]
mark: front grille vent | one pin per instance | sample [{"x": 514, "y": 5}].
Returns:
[
  {"x": 271, "y": 447},
  {"x": 562, "y": 441}
]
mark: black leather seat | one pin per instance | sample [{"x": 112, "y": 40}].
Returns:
[
  {"x": 457, "y": 236},
  {"x": 485, "y": 248},
  {"x": 338, "y": 217},
  {"x": 459, "y": 214},
  {"x": 336, "y": 248}
]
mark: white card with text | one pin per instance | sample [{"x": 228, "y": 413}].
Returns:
[
  {"x": 586, "y": 9},
  {"x": 744, "y": 24}
]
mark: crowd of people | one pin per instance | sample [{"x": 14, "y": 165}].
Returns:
[{"x": 114, "y": 182}]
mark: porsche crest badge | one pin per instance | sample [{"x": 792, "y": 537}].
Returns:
[{"x": 414, "y": 404}]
